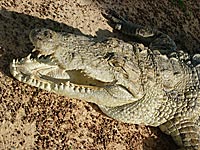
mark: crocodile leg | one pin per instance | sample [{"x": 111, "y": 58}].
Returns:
[
  {"x": 154, "y": 39},
  {"x": 185, "y": 132}
]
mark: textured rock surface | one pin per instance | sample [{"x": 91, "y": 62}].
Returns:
[{"x": 42, "y": 120}]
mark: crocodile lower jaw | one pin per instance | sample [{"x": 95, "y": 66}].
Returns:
[{"x": 58, "y": 87}]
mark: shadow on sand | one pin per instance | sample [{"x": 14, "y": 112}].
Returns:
[{"x": 14, "y": 43}]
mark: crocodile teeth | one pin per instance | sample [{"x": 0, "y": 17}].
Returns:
[
  {"x": 13, "y": 61},
  {"x": 40, "y": 84},
  {"x": 87, "y": 90},
  {"x": 61, "y": 87},
  {"x": 26, "y": 79},
  {"x": 28, "y": 58},
  {"x": 19, "y": 77},
  {"x": 39, "y": 55},
  {"x": 67, "y": 83},
  {"x": 37, "y": 83},
  {"x": 71, "y": 86},
  {"x": 14, "y": 72},
  {"x": 34, "y": 82},
  {"x": 47, "y": 86},
  {"x": 56, "y": 87},
  {"x": 13, "y": 68},
  {"x": 30, "y": 81},
  {"x": 76, "y": 89},
  {"x": 82, "y": 89},
  {"x": 52, "y": 59},
  {"x": 34, "y": 50}
]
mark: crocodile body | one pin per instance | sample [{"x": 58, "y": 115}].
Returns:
[{"x": 153, "y": 85}]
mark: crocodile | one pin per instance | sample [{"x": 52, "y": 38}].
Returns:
[{"x": 148, "y": 82}]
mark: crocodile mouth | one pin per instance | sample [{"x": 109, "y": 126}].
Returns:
[{"x": 43, "y": 72}]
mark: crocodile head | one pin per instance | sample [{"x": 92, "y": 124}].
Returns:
[{"x": 63, "y": 65}]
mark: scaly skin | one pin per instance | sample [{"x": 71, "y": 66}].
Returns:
[{"x": 154, "y": 85}]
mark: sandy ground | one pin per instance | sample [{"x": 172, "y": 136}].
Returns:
[{"x": 35, "y": 119}]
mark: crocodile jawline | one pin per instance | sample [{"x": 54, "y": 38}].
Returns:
[{"x": 42, "y": 72}]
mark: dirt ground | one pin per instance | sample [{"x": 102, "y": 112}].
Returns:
[{"x": 35, "y": 119}]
